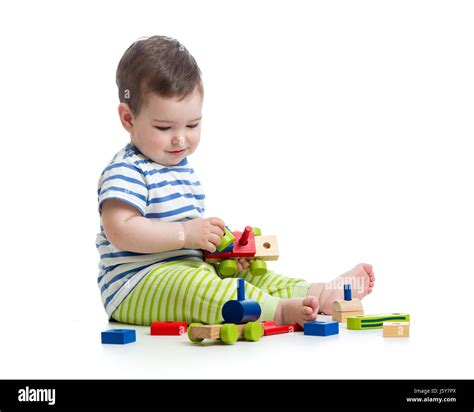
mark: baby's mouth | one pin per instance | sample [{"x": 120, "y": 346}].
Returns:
[{"x": 177, "y": 152}]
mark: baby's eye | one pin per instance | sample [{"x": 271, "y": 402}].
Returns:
[
  {"x": 192, "y": 126},
  {"x": 163, "y": 129}
]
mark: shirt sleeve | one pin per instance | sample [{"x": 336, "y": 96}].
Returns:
[{"x": 124, "y": 181}]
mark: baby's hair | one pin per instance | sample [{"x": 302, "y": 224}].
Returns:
[{"x": 156, "y": 64}]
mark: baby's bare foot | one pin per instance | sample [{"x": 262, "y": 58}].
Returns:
[
  {"x": 296, "y": 310},
  {"x": 361, "y": 278}
]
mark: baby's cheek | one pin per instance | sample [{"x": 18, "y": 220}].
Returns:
[{"x": 194, "y": 138}]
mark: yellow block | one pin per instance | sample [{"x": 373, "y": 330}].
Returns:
[
  {"x": 266, "y": 247},
  {"x": 396, "y": 329}
]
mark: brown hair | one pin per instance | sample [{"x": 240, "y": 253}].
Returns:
[{"x": 157, "y": 64}]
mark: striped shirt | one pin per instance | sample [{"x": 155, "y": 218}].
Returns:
[{"x": 166, "y": 193}]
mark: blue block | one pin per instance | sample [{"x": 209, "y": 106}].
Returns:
[
  {"x": 321, "y": 328},
  {"x": 240, "y": 289},
  {"x": 347, "y": 292},
  {"x": 241, "y": 311},
  {"x": 119, "y": 336},
  {"x": 227, "y": 249}
]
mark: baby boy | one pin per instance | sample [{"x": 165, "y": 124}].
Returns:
[{"x": 151, "y": 203}]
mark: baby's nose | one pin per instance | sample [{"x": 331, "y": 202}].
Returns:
[{"x": 179, "y": 141}]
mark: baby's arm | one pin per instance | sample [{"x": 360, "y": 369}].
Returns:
[{"x": 128, "y": 230}]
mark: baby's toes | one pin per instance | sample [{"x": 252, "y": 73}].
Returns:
[{"x": 367, "y": 267}]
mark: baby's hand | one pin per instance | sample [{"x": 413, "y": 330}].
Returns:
[
  {"x": 203, "y": 233},
  {"x": 243, "y": 263}
]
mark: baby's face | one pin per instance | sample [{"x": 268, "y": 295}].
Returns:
[{"x": 167, "y": 130}]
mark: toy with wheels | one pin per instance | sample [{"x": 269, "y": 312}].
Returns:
[
  {"x": 228, "y": 333},
  {"x": 241, "y": 321},
  {"x": 249, "y": 243}
]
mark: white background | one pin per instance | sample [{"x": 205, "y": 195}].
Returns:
[{"x": 343, "y": 127}]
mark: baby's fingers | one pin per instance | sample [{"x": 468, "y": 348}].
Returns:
[
  {"x": 210, "y": 247},
  {"x": 239, "y": 266},
  {"x": 246, "y": 264},
  {"x": 243, "y": 263},
  {"x": 217, "y": 222},
  {"x": 215, "y": 239}
]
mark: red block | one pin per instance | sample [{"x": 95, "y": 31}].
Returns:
[
  {"x": 168, "y": 328},
  {"x": 271, "y": 328},
  {"x": 244, "y": 250},
  {"x": 221, "y": 255},
  {"x": 243, "y": 239},
  {"x": 298, "y": 327}
]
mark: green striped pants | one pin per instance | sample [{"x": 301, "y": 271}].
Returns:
[{"x": 192, "y": 291}]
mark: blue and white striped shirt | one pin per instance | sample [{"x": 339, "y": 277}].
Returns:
[{"x": 166, "y": 193}]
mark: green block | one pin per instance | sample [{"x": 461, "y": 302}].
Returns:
[
  {"x": 226, "y": 240},
  {"x": 256, "y": 231},
  {"x": 375, "y": 321}
]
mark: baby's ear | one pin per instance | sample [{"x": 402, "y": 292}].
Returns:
[{"x": 126, "y": 117}]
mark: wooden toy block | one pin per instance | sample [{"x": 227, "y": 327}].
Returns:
[
  {"x": 248, "y": 248},
  {"x": 257, "y": 231},
  {"x": 168, "y": 328},
  {"x": 228, "y": 333},
  {"x": 271, "y": 328},
  {"x": 375, "y": 321},
  {"x": 248, "y": 243},
  {"x": 241, "y": 310},
  {"x": 396, "y": 329},
  {"x": 118, "y": 336},
  {"x": 342, "y": 309},
  {"x": 228, "y": 249},
  {"x": 321, "y": 328},
  {"x": 211, "y": 331},
  {"x": 266, "y": 247},
  {"x": 347, "y": 292},
  {"x": 216, "y": 257},
  {"x": 342, "y": 316},
  {"x": 245, "y": 236},
  {"x": 226, "y": 240},
  {"x": 347, "y": 305}
]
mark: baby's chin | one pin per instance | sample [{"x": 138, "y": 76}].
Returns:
[{"x": 169, "y": 160}]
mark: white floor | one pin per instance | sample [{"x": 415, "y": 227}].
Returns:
[{"x": 73, "y": 350}]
